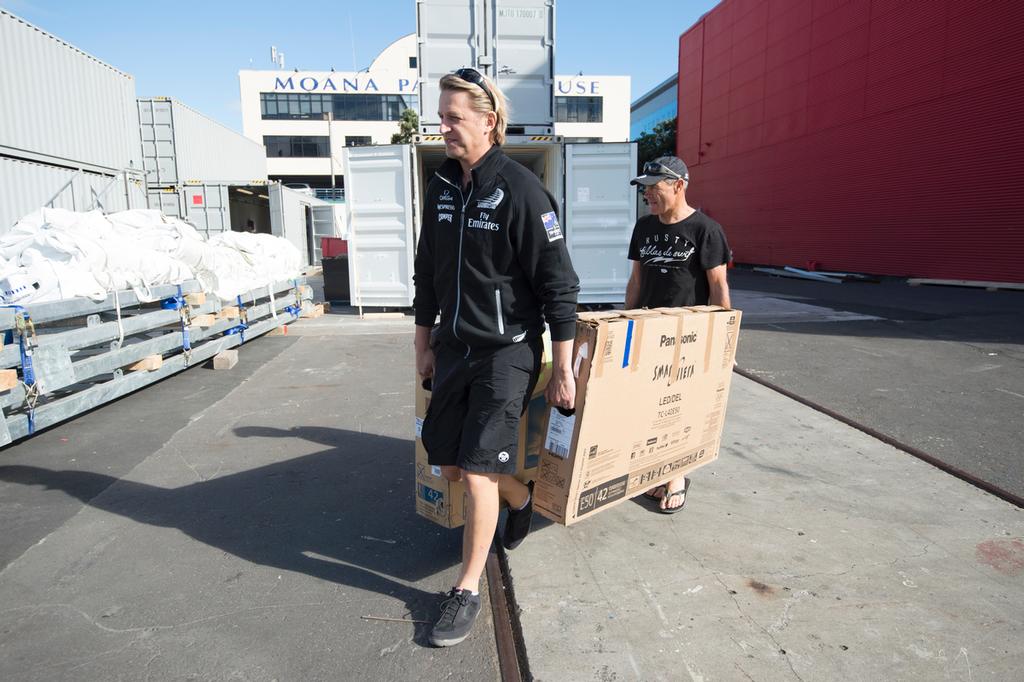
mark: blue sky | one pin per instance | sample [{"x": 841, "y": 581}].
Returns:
[{"x": 193, "y": 51}]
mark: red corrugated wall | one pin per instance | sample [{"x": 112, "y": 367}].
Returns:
[{"x": 879, "y": 136}]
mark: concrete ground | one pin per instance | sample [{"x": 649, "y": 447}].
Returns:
[
  {"x": 940, "y": 369},
  {"x": 808, "y": 551},
  {"x": 258, "y": 532},
  {"x": 258, "y": 524}
]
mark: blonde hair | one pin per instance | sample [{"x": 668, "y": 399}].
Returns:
[{"x": 481, "y": 103}]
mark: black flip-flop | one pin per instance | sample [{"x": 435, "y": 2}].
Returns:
[
  {"x": 651, "y": 496},
  {"x": 675, "y": 510}
]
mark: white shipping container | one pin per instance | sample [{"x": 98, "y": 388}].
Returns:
[
  {"x": 181, "y": 145},
  {"x": 590, "y": 183},
  {"x": 512, "y": 45},
  {"x": 207, "y": 207},
  {"x": 61, "y": 105},
  {"x": 27, "y": 186},
  {"x": 301, "y": 219}
]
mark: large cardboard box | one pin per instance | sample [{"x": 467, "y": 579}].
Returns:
[
  {"x": 652, "y": 387},
  {"x": 443, "y": 501}
]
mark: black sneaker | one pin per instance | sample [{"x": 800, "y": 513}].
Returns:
[
  {"x": 458, "y": 611},
  {"x": 517, "y": 525}
]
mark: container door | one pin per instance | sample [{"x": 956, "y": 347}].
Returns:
[
  {"x": 448, "y": 32},
  {"x": 288, "y": 217},
  {"x": 520, "y": 44},
  {"x": 156, "y": 124},
  {"x": 276, "y": 202},
  {"x": 378, "y": 198},
  {"x": 167, "y": 201},
  {"x": 600, "y": 211},
  {"x": 323, "y": 226},
  {"x": 206, "y": 207}
]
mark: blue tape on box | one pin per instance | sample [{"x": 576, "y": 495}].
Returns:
[{"x": 629, "y": 343}]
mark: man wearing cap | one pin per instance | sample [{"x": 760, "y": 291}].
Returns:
[
  {"x": 679, "y": 259},
  {"x": 492, "y": 261}
]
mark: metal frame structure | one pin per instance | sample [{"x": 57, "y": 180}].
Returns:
[{"x": 74, "y": 355}]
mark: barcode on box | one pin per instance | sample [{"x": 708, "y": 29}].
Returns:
[
  {"x": 559, "y": 450},
  {"x": 559, "y": 437}
]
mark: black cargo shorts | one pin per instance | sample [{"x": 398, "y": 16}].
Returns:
[{"x": 476, "y": 403}]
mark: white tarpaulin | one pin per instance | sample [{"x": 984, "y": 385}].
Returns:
[{"x": 54, "y": 254}]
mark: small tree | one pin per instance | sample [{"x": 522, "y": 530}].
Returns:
[
  {"x": 408, "y": 126},
  {"x": 659, "y": 142}
]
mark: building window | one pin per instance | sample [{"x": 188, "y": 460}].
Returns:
[
  {"x": 412, "y": 62},
  {"x": 297, "y": 146},
  {"x": 579, "y": 109},
  {"x": 358, "y": 140},
  {"x": 345, "y": 107}
]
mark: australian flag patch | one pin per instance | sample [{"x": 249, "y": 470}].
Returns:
[{"x": 551, "y": 226}]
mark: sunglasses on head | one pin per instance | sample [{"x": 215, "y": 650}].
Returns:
[
  {"x": 473, "y": 76},
  {"x": 655, "y": 168}
]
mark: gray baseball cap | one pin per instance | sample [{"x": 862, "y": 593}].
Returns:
[{"x": 662, "y": 168}]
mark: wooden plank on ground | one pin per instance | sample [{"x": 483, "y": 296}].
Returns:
[
  {"x": 226, "y": 359},
  {"x": 148, "y": 364},
  {"x": 204, "y": 320},
  {"x": 8, "y": 379},
  {"x": 313, "y": 311},
  {"x": 279, "y": 331}
]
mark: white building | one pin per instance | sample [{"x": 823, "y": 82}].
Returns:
[{"x": 305, "y": 118}]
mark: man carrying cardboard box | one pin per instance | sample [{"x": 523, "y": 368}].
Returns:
[
  {"x": 679, "y": 259},
  {"x": 492, "y": 260}
]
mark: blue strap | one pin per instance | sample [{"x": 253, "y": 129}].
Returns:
[
  {"x": 237, "y": 329},
  {"x": 177, "y": 302},
  {"x": 28, "y": 372},
  {"x": 186, "y": 339},
  {"x": 243, "y": 319}
]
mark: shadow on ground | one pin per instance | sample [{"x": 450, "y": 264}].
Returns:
[{"x": 343, "y": 514}]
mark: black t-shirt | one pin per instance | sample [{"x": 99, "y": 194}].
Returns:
[{"x": 675, "y": 259}]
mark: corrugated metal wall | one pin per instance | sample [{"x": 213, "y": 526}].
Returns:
[
  {"x": 181, "y": 145},
  {"x": 27, "y": 186},
  {"x": 61, "y": 103},
  {"x": 877, "y": 136}
]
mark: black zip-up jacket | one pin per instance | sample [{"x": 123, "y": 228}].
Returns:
[{"x": 492, "y": 258}]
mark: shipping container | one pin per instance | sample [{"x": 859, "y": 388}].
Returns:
[
  {"x": 63, "y": 106},
  {"x": 865, "y": 136},
  {"x": 207, "y": 207},
  {"x": 27, "y": 186},
  {"x": 384, "y": 192},
  {"x": 180, "y": 145},
  {"x": 213, "y": 208},
  {"x": 514, "y": 46},
  {"x": 301, "y": 219}
]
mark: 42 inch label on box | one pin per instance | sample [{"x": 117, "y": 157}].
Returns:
[{"x": 602, "y": 494}]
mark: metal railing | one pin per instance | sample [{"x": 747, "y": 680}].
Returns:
[
  {"x": 335, "y": 195},
  {"x": 94, "y": 199}
]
